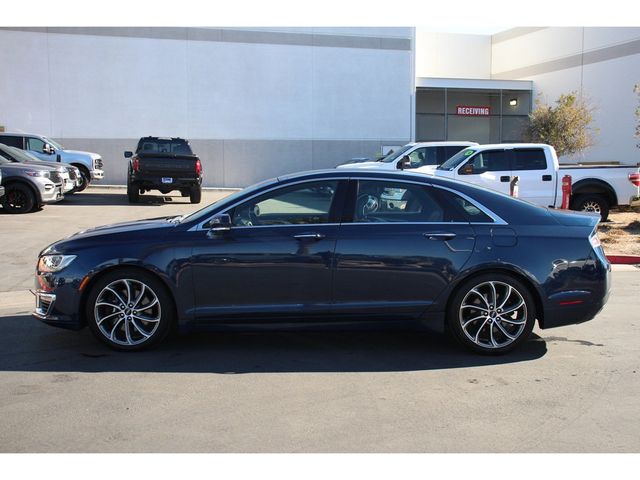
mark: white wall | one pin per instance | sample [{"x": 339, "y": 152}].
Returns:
[
  {"x": 560, "y": 60},
  {"x": 449, "y": 55}
]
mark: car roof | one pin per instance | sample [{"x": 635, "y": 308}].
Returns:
[
  {"x": 503, "y": 146},
  {"x": 448, "y": 143}
]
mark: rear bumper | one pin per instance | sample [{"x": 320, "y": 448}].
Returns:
[
  {"x": 155, "y": 183},
  {"x": 1, "y": 191}
]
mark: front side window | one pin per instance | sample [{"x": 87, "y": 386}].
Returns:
[
  {"x": 35, "y": 144},
  {"x": 488, "y": 161},
  {"x": 303, "y": 204},
  {"x": 423, "y": 156},
  {"x": 383, "y": 201}
]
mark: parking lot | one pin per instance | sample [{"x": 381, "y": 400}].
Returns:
[{"x": 572, "y": 389}]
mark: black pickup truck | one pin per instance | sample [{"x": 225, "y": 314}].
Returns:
[{"x": 164, "y": 164}]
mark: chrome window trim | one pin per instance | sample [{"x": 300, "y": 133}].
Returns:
[{"x": 497, "y": 220}]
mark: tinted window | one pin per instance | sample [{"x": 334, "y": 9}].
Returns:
[
  {"x": 489, "y": 161},
  {"x": 423, "y": 156},
  {"x": 533, "y": 159},
  {"x": 161, "y": 145},
  {"x": 308, "y": 203},
  {"x": 459, "y": 209},
  {"x": 35, "y": 144},
  {"x": 381, "y": 201},
  {"x": 450, "y": 152},
  {"x": 11, "y": 141}
]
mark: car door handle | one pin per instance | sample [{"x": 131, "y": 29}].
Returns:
[
  {"x": 440, "y": 236},
  {"x": 309, "y": 236},
  {"x": 505, "y": 178},
  {"x": 546, "y": 178}
]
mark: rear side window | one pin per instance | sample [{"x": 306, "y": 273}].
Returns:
[
  {"x": 488, "y": 161},
  {"x": 531, "y": 159},
  {"x": 11, "y": 141},
  {"x": 460, "y": 209},
  {"x": 380, "y": 201}
]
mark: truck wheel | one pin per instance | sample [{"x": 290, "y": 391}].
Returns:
[
  {"x": 18, "y": 198},
  {"x": 85, "y": 178},
  {"x": 195, "y": 195},
  {"x": 592, "y": 202},
  {"x": 133, "y": 193}
]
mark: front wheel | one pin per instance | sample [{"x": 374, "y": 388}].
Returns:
[
  {"x": 129, "y": 310},
  {"x": 491, "y": 313},
  {"x": 18, "y": 198},
  {"x": 592, "y": 202},
  {"x": 85, "y": 180}
]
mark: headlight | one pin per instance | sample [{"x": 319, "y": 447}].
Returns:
[
  {"x": 54, "y": 263},
  {"x": 38, "y": 173}
]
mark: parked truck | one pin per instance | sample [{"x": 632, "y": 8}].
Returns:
[
  {"x": 164, "y": 164},
  {"x": 594, "y": 188},
  {"x": 89, "y": 164}
]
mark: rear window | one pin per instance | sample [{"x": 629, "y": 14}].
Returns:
[
  {"x": 531, "y": 159},
  {"x": 160, "y": 145},
  {"x": 11, "y": 140}
]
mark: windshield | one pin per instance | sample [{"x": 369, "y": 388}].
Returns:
[
  {"x": 392, "y": 156},
  {"x": 203, "y": 213},
  {"x": 457, "y": 159},
  {"x": 19, "y": 155},
  {"x": 55, "y": 145}
]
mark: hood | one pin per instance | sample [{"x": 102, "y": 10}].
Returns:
[
  {"x": 15, "y": 166},
  {"x": 126, "y": 227},
  {"x": 427, "y": 169},
  {"x": 60, "y": 166},
  {"x": 79, "y": 154}
]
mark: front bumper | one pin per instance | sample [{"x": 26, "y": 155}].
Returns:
[
  {"x": 97, "y": 174},
  {"x": 51, "y": 193}
]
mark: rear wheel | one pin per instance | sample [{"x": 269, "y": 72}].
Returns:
[
  {"x": 133, "y": 192},
  {"x": 592, "y": 202},
  {"x": 18, "y": 198},
  {"x": 130, "y": 310},
  {"x": 491, "y": 313},
  {"x": 195, "y": 194}
]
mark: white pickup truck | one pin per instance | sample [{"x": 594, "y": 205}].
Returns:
[
  {"x": 594, "y": 188},
  {"x": 413, "y": 155}
]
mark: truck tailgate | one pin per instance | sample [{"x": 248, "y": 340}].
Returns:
[{"x": 167, "y": 166}]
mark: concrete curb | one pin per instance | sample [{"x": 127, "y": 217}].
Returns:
[{"x": 624, "y": 259}]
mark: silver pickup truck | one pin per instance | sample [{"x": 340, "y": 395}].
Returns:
[{"x": 28, "y": 187}]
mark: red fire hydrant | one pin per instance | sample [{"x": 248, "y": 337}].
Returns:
[
  {"x": 513, "y": 186},
  {"x": 566, "y": 191}
]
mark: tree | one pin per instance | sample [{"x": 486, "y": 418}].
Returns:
[
  {"x": 564, "y": 126},
  {"x": 636, "y": 89}
]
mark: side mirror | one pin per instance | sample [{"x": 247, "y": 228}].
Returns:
[
  {"x": 219, "y": 224},
  {"x": 47, "y": 149},
  {"x": 467, "y": 169},
  {"x": 128, "y": 154},
  {"x": 404, "y": 163}
]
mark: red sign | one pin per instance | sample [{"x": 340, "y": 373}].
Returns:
[{"x": 473, "y": 111}]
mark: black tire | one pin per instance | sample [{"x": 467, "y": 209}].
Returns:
[
  {"x": 19, "y": 198},
  {"x": 484, "y": 327},
  {"x": 133, "y": 192},
  {"x": 592, "y": 202},
  {"x": 121, "y": 328},
  {"x": 85, "y": 176},
  {"x": 195, "y": 194}
]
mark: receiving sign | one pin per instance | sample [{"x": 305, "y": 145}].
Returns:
[{"x": 473, "y": 111}]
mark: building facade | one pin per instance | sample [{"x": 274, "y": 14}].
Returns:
[{"x": 261, "y": 102}]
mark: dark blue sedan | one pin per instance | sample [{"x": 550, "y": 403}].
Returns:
[{"x": 332, "y": 248}]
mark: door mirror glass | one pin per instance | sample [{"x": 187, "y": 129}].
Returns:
[
  {"x": 128, "y": 154},
  {"x": 404, "y": 163},
  {"x": 220, "y": 223},
  {"x": 48, "y": 149}
]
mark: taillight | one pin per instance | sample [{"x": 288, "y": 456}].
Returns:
[
  {"x": 135, "y": 164},
  {"x": 198, "y": 167},
  {"x": 635, "y": 179},
  {"x": 594, "y": 240}
]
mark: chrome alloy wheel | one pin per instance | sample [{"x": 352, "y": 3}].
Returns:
[
  {"x": 127, "y": 312},
  {"x": 591, "y": 206},
  {"x": 493, "y": 314}
]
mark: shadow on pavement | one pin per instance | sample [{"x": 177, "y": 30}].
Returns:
[
  {"x": 27, "y": 345},
  {"x": 118, "y": 198}
]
